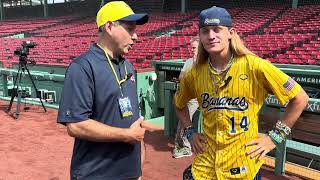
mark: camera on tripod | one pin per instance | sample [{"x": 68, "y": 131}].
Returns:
[
  {"x": 24, "y": 52},
  {"x": 19, "y": 91}
]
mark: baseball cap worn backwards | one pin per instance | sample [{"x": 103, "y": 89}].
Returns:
[
  {"x": 215, "y": 16},
  {"x": 119, "y": 11}
]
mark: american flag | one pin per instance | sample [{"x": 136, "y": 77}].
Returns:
[{"x": 289, "y": 84}]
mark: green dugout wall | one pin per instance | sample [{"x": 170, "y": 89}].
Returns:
[
  {"x": 49, "y": 78},
  {"x": 152, "y": 93}
]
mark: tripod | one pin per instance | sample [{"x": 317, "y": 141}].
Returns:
[{"x": 17, "y": 83}]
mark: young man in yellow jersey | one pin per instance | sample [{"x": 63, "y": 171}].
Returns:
[{"x": 231, "y": 84}]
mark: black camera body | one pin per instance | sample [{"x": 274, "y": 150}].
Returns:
[{"x": 24, "y": 51}]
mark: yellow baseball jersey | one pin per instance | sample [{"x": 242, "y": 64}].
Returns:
[{"x": 230, "y": 111}]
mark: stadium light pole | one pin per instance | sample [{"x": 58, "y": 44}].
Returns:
[
  {"x": 103, "y": 2},
  {"x": 294, "y": 4},
  {"x": 45, "y": 9},
  {"x": 183, "y": 6},
  {"x": 1, "y": 10}
]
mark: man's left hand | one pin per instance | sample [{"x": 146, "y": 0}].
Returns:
[{"x": 261, "y": 146}]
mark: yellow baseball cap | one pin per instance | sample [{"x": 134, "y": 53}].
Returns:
[{"x": 119, "y": 10}]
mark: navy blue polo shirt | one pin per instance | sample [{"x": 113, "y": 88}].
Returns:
[{"x": 91, "y": 91}]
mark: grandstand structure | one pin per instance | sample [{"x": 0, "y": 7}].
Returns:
[
  {"x": 286, "y": 32},
  {"x": 281, "y": 34}
]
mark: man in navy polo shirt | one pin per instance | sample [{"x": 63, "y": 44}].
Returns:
[{"x": 99, "y": 103}]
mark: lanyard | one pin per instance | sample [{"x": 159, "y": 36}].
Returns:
[{"x": 114, "y": 72}]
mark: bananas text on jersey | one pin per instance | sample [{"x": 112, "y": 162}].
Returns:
[{"x": 225, "y": 102}]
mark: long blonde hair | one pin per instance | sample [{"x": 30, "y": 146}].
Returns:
[{"x": 237, "y": 47}]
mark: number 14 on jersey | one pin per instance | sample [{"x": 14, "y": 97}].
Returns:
[{"x": 244, "y": 123}]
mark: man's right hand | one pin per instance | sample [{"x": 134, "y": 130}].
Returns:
[
  {"x": 198, "y": 142},
  {"x": 136, "y": 131}
]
